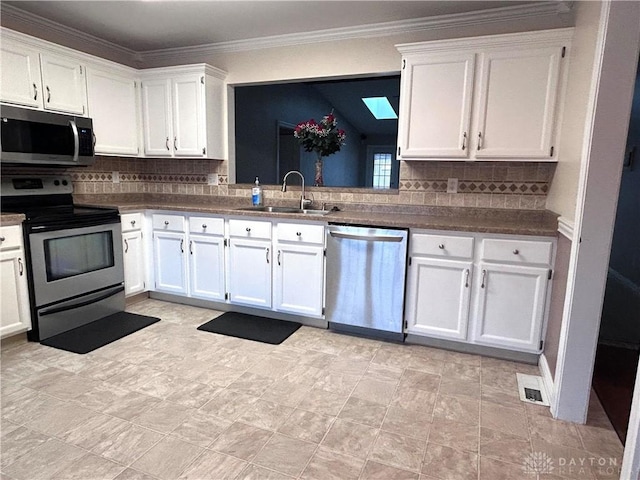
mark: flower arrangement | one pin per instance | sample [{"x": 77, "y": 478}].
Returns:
[{"x": 323, "y": 138}]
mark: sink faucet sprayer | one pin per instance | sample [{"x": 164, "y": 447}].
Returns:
[{"x": 303, "y": 201}]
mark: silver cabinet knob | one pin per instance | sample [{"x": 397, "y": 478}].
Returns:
[
  {"x": 441, "y": 246},
  {"x": 204, "y": 226},
  {"x": 133, "y": 222},
  {"x": 2, "y": 239},
  {"x": 248, "y": 229},
  {"x": 299, "y": 234},
  {"x": 166, "y": 222},
  {"x": 516, "y": 251}
]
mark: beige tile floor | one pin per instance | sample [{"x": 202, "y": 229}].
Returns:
[{"x": 171, "y": 402}]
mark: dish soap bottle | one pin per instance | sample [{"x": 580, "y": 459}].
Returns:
[{"x": 256, "y": 194}]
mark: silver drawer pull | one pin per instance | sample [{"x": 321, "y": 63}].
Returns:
[
  {"x": 2, "y": 239},
  {"x": 182, "y": 245},
  {"x": 204, "y": 225},
  {"x": 166, "y": 222},
  {"x": 267, "y": 255},
  {"x": 299, "y": 234},
  {"x": 516, "y": 251},
  {"x": 166, "y": 143},
  {"x": 248, "y": 230},
  {"x": 126, "y": 246},
  {"x": 484, "y": 274},
  {"x": 20, "y": 267},
  {"x": 466, "y": 278},
  {"x": 441, "y": 246}
]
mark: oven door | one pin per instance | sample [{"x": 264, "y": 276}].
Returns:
[{"x": 68, "y": 263}]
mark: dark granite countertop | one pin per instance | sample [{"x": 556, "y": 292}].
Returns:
[{"x": 481, "y": 220}]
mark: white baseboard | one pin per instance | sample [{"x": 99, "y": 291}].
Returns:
[{"x": 547, "y": 377}]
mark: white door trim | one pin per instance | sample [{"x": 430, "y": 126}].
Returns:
[{"x": 613, "y": 80}]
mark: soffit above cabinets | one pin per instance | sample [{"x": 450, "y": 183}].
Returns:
[{"x": 153, "y": 28}]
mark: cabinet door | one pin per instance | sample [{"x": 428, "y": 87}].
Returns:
[
  {"x": 156, "y": 112},
  {"x": 206, "y": 267},
  {"x": 64, "y": 84},
  {"x": 188, "y": 115},
  {"x": 250, "y": 272},
  {"x": 113, "y": 108},
  {"x": 517, "y": 101},
  {"x": 20, "y": 75},
  {"x": 510, "y": 303},
  {"x": 299, "y": 279},
  {"x": 169, "y": 262},
  {"x": 435, "y": 110},
  {"x": 14, "y": 307},
  {"x": 133, "y": 256},
  {"x": 438, "y": 293}
]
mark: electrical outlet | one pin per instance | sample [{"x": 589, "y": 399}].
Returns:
[
  {"x": 212, "y": 179},
  {"x": 452, "y": 185},
  {"x": 115, "y": 177}
]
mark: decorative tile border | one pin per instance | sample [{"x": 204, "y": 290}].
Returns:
[{"x": 480, "y": 187}]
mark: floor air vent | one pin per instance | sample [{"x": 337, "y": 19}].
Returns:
[{"x": 531, "y": 389}]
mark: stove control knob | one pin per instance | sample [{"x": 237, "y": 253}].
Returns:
[
  {"x": 56, "y": 182},
  {"x": 64, "y": 182}
]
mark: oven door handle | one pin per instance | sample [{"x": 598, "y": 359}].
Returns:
[
  {"x": 76, "y": 140},
  {"x": 64, "y": 308}
]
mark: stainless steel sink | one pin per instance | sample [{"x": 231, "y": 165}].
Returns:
[{"x": 300, "y": 211}]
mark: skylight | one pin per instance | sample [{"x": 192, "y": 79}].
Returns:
[{"x": 380, "y": 108}]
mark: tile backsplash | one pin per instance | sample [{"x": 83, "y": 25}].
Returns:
[{"x": 505, "y": 185}]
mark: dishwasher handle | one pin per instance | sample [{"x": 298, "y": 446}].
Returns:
[{"x": 367, "y": 238}]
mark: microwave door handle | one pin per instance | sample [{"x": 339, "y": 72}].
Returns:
[{"x": 76, "y": 140}]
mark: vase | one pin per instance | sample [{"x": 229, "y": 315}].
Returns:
[{"x": 318, "y": 180}]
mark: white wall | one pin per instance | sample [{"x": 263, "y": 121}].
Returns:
[
  {"x": 349, "y": 57},
  {"x": 564, "y": 187}
]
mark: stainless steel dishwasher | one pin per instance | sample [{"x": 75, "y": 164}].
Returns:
[{"x": 365, "y": 280}]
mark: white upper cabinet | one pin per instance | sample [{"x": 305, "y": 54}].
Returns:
[
  {"x": 113, "y": 106},
  {"x": 20, "y": 80},
  {"x": 517, "y": 101},
  {"x": 37, "y": 78},
  {"x": 156, "y": 112},
  {"x": 436, "y": 126},
  {"x": 64, "y": 84},
  {"x": 182, "y": 110},
  {"x": 497, "y": 97}
]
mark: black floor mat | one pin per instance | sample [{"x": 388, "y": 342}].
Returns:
[
  {"x": 99, "y": 333},
  {"x": 251, "y": 327}
]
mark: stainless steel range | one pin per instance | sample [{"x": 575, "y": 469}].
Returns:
[{"x": 74, "y": 254}]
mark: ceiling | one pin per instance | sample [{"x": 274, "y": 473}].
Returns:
[{"x": 151, "y": 25}]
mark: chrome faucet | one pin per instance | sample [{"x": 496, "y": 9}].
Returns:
[{"x": 303, "y": 201}]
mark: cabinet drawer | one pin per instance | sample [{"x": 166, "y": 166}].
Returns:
[
  {"x": 131, "y": 221},
  {"x": 206, "y": 225},
  {"x": 446, "y": 246},
  {"x": 10, "y": 237},
  {"x": 517, "y": 251},
  {"x": 169, "y": 223},
  {"x": 249, "y": 229},
  {"x": 293, "y": 232}
]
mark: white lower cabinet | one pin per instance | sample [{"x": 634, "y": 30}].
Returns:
[
  {"x": 299, "y": 269},
  {"x": 478, "y": 289},
  {"x": 438, "y": 297},
  {"x": 133, "y": 250},
  {"x": 250, "y": 255},
  {"x": 206, "y": 258},
  {"x": 170, "y": 263},
  {"x": 189, "y": 255},
  {"x": 14, "y": 294}
]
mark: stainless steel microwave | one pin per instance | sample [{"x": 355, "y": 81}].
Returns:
[{"x": 34, "y": 137}]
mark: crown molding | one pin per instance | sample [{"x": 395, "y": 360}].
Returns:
[
  {"x": 510, "y": 13},
  {"x": 187, "y": 54},
  {"x": 44, "y": 26}
]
